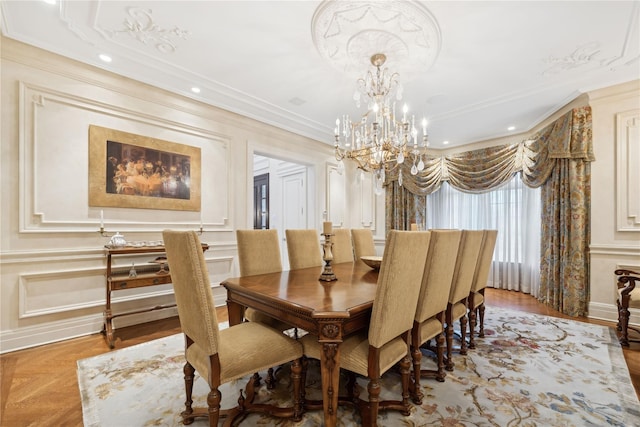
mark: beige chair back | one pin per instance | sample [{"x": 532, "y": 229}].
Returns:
[
  {"x": 303, "y": 247},
  {"x": 484, "y": 261},
  {"x": 258, "y": 252},
  {"x": 342, "y": 248},
  {"x": 192, "y": 288},
  {"x": 399, "y": 283},
  {"x": 363, "y": 242},
  {"x": 466, "y": 262},
  {"x": 438, "y": 273}
]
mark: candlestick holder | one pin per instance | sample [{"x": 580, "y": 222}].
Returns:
[
  {"x": 104, "y": 233},
  {"x": 327, "y": 273}
]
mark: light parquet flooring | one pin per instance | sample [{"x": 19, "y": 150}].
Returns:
[{"x": 40, "y": 387}]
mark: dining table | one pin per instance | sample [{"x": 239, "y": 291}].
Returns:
[{"x": 329, "y": 310}]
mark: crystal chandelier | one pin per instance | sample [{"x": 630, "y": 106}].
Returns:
[{"x": 380, "y": 141}]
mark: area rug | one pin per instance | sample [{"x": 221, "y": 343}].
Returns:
[{"x": 529, "y": 370}]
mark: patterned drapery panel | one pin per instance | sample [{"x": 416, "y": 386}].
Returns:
[
  {"x": 565, "y": 237},
  {"x": 556, "y": 158},
  {"x": 411, "y": 208}
]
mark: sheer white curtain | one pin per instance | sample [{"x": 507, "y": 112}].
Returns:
[{"x": 513, "y": 210}]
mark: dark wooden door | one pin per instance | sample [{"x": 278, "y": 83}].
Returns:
[{"x": 261, "y": 201}]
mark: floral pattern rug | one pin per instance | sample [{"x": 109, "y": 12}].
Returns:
[{"x": 529, "y": 370}]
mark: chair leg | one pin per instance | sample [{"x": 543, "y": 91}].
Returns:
[
  {"x": 618, "y": 327},
  {"x": 623, "y": 320},
  {"x": 374, "y": 399},
  {"x": 481, "y": 311},
  {"x": 405, "y": 369},
  {"x": 296, "y": 379},
  {"x": 448, "y": 329},
  {"x": 256, "y": 379},
  {"x": 270, "y": 381},
  {"x": 463, "y": 338},
  {"x": 303, "y": 380},
  {"x": 441, "y": 374},
  {"x": 213, "y": 402},
  {"x": 416, "y": 357},
  {"x": 472, "y": 326},
  {"x": 189, "y": 372}
]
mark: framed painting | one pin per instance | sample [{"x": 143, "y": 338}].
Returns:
[{"x": 134, "y": 171}]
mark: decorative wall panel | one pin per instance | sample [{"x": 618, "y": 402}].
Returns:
[
  {"x": 368, "y": 200},
  {"x": 59, "y": 291},
  {"x": 628, "y": 171},
  {"x": 54, "y": 165},
  {"x": 336, "y": 196}
]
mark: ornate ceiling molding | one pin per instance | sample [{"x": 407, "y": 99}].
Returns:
[
  {"x": 141, "y": 26},
  {"x": 348, "y": 33}
]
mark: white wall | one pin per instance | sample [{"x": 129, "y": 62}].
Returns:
[{"x": 51, "y": 255}]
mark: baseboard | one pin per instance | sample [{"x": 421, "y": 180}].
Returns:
[
  {"x": 51, "y": 332},
  {"x": 609, "y": 312},
  {"x": 33, "y": 336}
]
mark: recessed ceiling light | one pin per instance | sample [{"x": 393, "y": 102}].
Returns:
[
  {"x": 195, "y": 89},
  {"x": 105, "y": 58},
  {"x": 511, "y": 128},
  {"x": 445, "y": 142}
]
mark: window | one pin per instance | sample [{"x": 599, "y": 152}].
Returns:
[{"x": 513, "y": 210}]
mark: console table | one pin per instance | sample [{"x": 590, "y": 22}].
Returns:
[{"x": 153, "y": 272}]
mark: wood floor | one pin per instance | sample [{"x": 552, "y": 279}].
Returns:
[{"x": 40, "y": 387}]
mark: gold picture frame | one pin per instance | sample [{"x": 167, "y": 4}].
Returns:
[{"x": 134, "y": 171}]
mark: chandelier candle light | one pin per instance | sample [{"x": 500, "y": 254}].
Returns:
[{"x": 380, "y": 141}]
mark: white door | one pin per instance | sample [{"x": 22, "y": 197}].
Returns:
[{"x": 294, "y": 207}]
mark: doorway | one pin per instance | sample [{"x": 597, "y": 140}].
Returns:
[{"x": 281, "y": 197}]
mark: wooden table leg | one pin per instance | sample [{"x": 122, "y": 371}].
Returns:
[
  {"x": 330, "y": 336},
  {"x": 236, "y": 313}
]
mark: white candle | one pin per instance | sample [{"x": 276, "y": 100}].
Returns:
[
  {"x": 101, "y": 218},
  {"x": 327, "y": 227}
]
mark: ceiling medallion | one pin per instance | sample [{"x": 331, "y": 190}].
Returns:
[{"x": 349, "y": 33}]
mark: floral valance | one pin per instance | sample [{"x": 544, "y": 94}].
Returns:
[{"x": 569, "y": 137}]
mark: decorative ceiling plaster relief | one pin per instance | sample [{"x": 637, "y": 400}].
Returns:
[
  {"x": 140, "y": 25},
  {"x": 582, "y": 56},
  {"x": 347, "y": 34}
]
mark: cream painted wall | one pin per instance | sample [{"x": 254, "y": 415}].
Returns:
[
  {"x": 51, "y": 254},
  {"x": 615, "y": 191}
]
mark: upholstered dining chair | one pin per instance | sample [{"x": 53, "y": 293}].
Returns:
[
  {"x": 259, "y": 253},
  {"x": 480, "y": 278},
  {"x": 342, "y": 248},
  {"x": 628, "y": 296},
  {"x": 303, "y": 248},
  {"x": 221, "y": 356},
  {"x": 363, "y": 242},
  {"x": 466, "y": 261},
  {"x": 432, "y": 305},
  {"x": 372, "y": 353}
]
